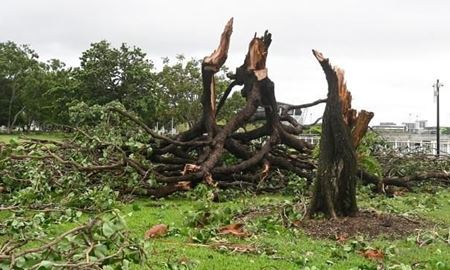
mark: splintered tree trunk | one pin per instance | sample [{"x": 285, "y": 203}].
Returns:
[
  {"x": 334, "y": 192},
  {"x": 196, "y": 155}
]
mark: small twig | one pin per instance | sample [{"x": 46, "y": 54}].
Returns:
[
  {"x": 57, "y": 239},
  {"x": 42, "y": 141}
]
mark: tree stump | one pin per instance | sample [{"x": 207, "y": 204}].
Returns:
[{"x": 334, "y": 192}]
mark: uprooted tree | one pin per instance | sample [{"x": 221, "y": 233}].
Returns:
[
  {"x": 160, "y": 165},
  {"x": 195, "y": 155}
]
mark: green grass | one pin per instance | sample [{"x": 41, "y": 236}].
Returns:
[
  {"x": 280, "y": 247},
  {"x": 294, "y": 249},
  {"x": 6, "y": 138}
]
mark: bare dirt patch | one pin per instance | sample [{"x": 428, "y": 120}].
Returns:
[{"x": 367, "y": 223}]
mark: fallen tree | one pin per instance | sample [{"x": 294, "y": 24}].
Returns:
[
  {"x": 177, "y": 163},
  {"x": 406, "y": 171},
  {"x": 200, "y": 149},
  {"x": 114, "y": 146}
]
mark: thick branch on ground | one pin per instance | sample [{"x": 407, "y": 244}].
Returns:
[
  {"x": 384, "y": 184},
  {"x": 155, "y": 134},
  {"x": 43, "y": 141},
  {"x": 255, "y": 159},
  {"x": 115, "y": 166}
]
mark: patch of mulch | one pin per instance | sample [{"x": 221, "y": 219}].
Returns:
[{"x": 368, "y": 223}]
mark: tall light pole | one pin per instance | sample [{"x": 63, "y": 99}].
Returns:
[{"x": 436, "y": 86}]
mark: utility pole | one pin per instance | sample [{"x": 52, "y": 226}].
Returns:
[{"x": 436, "y": 86}]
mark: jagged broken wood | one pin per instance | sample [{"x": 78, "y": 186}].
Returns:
[
  {"x": 334, "y": 192},
  {"x": 205, "y": 159},
  {"x": 180, "y": 162}
]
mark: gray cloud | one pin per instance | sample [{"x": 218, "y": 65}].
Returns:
[{"x": 392, "y": 51}]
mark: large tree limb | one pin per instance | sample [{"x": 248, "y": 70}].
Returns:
[
  {"x": 302, "y": 106},
  {"x": 155, "y": 134}
]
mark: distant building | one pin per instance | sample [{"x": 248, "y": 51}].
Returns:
[
  {"x": 389, "y": 127},
  {"x": 413, "y": 137},
  {"x": 296, "y": 114},
  {"x": 408, "y": 137}
]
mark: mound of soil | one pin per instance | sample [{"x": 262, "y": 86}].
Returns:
[{"x": 367, "y": 223}]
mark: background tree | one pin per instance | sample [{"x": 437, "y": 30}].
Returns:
[
  {"x": 181, "y": 89},
  {"x": 232, "y": 106},
  {"x": 49, "y": 102},
  {"x": 18, "y": 66},
  {"x": 123, "y": 74}
]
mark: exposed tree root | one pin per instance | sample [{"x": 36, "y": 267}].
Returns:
[{"x": 178, "y": 163}]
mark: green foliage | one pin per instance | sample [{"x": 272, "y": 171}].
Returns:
[
  {"x": 101, "y": 242},
  {"x": 32, "y": 91},
  {"x": 233, "y": 105},
  {"x": 207, "y": 214},
  {"x": 63, "y": 173},
  {"x": 277, "y": 244},
  {"x": 181, "y": 88},
  {"x": 121, "y": 74},
  {"x": 316, "y": 129},
  {"x": 19, "y": 70},
  {"x": 27, "y": 182},
  {"x": 38, "y": 93},
  {"x": 366, "y": 151},
  {"x": 296, "y": 185},
  {"x": 97, "y": 198},
  {"x": 396, "y": 164}
]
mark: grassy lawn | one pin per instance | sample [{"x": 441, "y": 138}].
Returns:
[
  {"x": 275, "y": 245},
  {"x": 6, "y": 138},
  {"x": 286, "y": 248},
  {"x": 279, "y": 247}
]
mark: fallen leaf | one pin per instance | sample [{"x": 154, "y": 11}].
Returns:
[
  {"x": 236, "y": 229},
  {"x": 156, "y": 231},
  {"x": 400, "y": 192},
  {"x": 341, "y": 237},
  {"x": 373, "y": 254},
  {"x": 297, "y": 223}
]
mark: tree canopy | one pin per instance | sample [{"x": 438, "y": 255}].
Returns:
[{"x": 40, "y": 93}]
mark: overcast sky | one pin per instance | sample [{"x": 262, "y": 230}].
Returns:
[{"x": 392, "y": 51}]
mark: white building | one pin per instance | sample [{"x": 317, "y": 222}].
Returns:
[{"x": 413, "y": 137}]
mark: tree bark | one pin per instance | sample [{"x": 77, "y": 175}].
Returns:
[
  {"x": 182, "y": 161},
  {"x": 334, "y": 192}
]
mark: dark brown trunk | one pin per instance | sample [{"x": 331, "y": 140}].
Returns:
[{"x": 334, "y": 192}]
